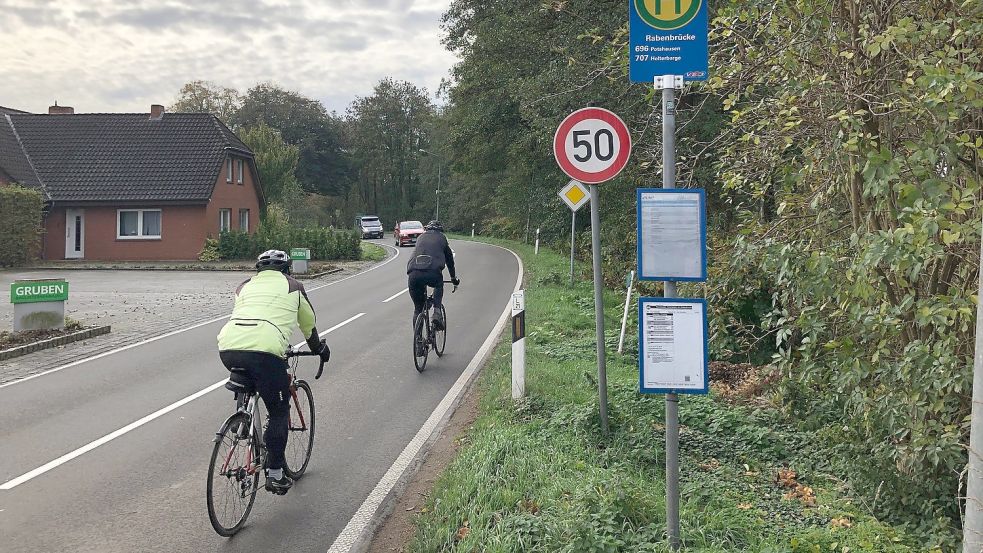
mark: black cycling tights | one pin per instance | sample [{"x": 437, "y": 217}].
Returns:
[
  {"x": 418, "y": 282},
  {"x": 269, "y": 375}
]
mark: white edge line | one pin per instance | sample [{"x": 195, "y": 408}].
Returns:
[
  {"x": 132, "y": 426},
  {"x": 108, "y": 437},
  {"x": 180, "y": 330},
  {"x": 396, "y": 295},
  {"x": 360, "y": 529}
]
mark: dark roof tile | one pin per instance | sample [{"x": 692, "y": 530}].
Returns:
[{"x": 126, "y": 157}]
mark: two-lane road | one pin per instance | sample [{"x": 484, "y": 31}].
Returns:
[{"x": 111, "y": 454}]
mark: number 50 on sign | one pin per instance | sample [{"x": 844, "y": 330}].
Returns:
[{"x": 592, "y": 145}]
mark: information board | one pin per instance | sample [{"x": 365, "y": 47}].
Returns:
[
  {"x": 672, "y": 346},
  {"x": 672, "y": 234}
]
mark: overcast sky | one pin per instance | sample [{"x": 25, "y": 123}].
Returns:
[{"x": 123, "y": 55}]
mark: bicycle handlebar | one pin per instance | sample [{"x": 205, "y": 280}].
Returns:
[
  {"x": 293, "y": 353},
  {"x": 451, "y": 282}
]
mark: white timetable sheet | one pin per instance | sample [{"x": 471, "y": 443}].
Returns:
[{"x": 673, "y": 345}]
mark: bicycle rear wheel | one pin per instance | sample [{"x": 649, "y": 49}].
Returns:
[
  {"x": 421, "y": 342},
  {"x": 231, "y": 489},
  {"x": 440, "y": 334},
  {"x": 300, "y": 438}
]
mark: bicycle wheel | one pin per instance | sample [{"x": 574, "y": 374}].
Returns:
[
  {"x": 440, "y": 335},
  {"x": 231, "y": 489},
  {"x": 421, "y": 342},
  {"x": 300, "y": 437}
]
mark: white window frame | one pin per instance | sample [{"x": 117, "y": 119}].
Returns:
[
  {"x": 244, "y": 211},
  {"x": 221, "y": 219},
  {"x": 239, "y": 167},
  {"x": 228, "y": 166},
  {"x": 140, "y": 235}
]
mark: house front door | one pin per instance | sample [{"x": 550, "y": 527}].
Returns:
[{"x": 74, "y": 233}]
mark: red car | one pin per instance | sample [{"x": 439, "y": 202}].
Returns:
[{"x": 406, "y": 232}]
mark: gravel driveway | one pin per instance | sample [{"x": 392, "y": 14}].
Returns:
[{"x": 137, "y": 304}]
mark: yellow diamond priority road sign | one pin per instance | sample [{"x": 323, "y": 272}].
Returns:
[{"x": 574, "y": 195}]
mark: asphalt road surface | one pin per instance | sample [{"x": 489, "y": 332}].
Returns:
[{"x": 142, "y": 487}]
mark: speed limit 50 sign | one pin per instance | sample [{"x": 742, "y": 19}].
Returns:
[{"x": 592, "y": 145}]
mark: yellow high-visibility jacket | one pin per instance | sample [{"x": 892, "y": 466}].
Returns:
[{"x": 268, "y": 308}]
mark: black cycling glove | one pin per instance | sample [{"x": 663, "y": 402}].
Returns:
[
  {"x": 324, "y": 351},
  {"x": 455, "y": 281},
  {"x": 314, "y": 341}
]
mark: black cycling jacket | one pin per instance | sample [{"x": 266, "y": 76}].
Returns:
[{"x": 432, "y": 253}]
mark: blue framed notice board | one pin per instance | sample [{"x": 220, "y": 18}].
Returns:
[{"x": 671, "y": 229}]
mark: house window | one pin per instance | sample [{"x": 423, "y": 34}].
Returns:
[
  {"x": 138, "y": 223},
  {"x": 244, "y": 220},
  {"x": 224, "y": 220},
  {"x": 239, "y": 169},
  {"x": 228, "y": 169}
]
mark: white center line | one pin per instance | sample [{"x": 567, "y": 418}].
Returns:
[
  {"x": 396, "y": 295},
  {"x": 10, "y": 484}
]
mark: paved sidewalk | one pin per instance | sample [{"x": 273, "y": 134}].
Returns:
[{"x": 137, "y": 304}]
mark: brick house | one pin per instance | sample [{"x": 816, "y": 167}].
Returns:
[{"x": 131, "y": 186}]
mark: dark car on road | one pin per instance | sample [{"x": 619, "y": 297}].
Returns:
[
  {"x": 406, "y": 232},
  {"x": 369, "y": 226}
]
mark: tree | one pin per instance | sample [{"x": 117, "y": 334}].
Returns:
[
  {"x": 208, "y": 97},
  {"x": 304, "y": 123},
  {"x": 388, "y": 133},
  {"x": 276, "y": 162}
]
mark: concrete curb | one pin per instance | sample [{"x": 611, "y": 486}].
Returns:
[
  {"x": 54, "y": 342},
  {"x": 318, "y": 275}
]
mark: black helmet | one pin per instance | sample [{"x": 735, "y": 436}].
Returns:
[
  {"x": 435, "y": 225},
  {"x": 273, "y": 259}
]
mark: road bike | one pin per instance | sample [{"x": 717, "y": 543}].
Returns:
[
  {"x": 239, "y": 454},
  {"x": 426, "y": 335}
]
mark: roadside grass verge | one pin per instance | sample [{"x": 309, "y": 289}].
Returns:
[
  {"x": 372, "y": 252},
  {"x": 537, "y": 475}
]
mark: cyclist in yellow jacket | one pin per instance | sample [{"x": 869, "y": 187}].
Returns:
[{"x": 269, "y": 307}]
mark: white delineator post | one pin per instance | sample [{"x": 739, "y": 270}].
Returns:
[
  {"x": 973, "y": 521},
  {"x": 624, "y": 317},
  {"x": 519, "y": 344},
  {"x": 537, "y": 241},
  {"x": 472, "y": 230}
]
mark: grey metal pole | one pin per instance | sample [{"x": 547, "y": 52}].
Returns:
[
  {"x": 437, "y": 215},
  {"x": 602, "y": 371},
  {"x": 672, "y": 400},
  {"x": 573, "y": 238},
  {"x": 973, "y": 525}
]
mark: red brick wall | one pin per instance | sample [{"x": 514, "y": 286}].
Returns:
[
  {"x": 182, "y": 235},
  {"x": 183, "y": 228},
  {"x": 233, "y": 196}
]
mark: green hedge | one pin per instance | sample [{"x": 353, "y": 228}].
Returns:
[
  {"x": 20, "y": 224},
  {"x": 325, "y": 244}
]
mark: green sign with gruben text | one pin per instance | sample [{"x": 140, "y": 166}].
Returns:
[
  {"x": 36, "y": 291},
  {"x": 300, "y": 253}
]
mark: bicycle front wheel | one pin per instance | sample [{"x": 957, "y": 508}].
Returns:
[
  {"x": 300, "y": 438},
  {"x": 421, "y": 342},
  {"x": 232, "y": 476},
  {"x": 440, "y": 334}
]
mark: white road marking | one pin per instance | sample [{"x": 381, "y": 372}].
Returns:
[
  {"x": 396, "y": 295},
  {"x": 108, "y": 437},
  {"x": 362, "y": 525},
  {"x": 180, "y": 330},
  {"x": 10, "y": 484}
]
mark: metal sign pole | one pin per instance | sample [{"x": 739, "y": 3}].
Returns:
[
  {"x": 573, "y": 238},
  {"x": 973, "y": 525},
  {"x": 672, "y": 400},
  {"x": 602, "y": 371}
]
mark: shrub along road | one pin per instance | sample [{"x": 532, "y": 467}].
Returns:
[
  {"x": 144, "y": 490},
  {"x": 537, "y": 475}
]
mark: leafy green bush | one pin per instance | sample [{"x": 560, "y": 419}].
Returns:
[
  {"x": 20, "y": 224},
  {"x": 325, "y": 244}
]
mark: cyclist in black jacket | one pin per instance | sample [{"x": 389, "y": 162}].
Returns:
[{"x": 425, "y": 268}]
